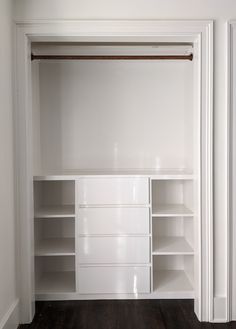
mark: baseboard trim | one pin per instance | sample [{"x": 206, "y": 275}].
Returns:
[
  {"x": 11, "y": 319},
  {"x": 220, "y": 310}
]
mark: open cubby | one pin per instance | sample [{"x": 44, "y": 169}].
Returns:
[
  {"x": 172, "y": 198},
  {"x": 172, "y": 236},
  {"x": 53, "y": 199},
  {"x": 55, "y": 236},
  {"x": 55, "y": 274},
  {"x": 173, "y": 274}
]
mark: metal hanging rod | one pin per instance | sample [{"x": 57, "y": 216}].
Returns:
[{"x": 111, "y": 57}]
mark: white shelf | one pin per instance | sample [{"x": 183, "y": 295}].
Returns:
[
  {"x": 171, "y": 210},
  {"x": 171, "y": 281},
  {"x": 55, "y": 211},
  {"x": 56, "y": 282},
  {"x": 171, "y": 246},
  {"x": 55, "y": 247},
  {"x": 161, "y": 174}
]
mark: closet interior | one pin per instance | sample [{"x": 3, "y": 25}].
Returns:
[{"x": 116, "y": 170}]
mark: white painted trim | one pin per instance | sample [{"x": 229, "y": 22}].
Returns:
[
  {"x": 77, "y": 296},
  {"x": 231, "y": 173},
  {"x": 197, "y": 31},
  {"x": 220, "y": 309},
  {"x": 11, "y": 319},
  {"x": 229, "y": 163},
  {"x": 24, "y": 185}
]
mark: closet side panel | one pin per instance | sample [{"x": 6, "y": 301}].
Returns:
[{"x": 37, "y": 164}]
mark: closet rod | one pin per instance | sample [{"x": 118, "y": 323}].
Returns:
[{"x": 112, "y": 57}]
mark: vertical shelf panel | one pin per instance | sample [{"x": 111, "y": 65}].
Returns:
[
  {"x": 54, "y": 228},
  {"x": 172, "y": 248}
]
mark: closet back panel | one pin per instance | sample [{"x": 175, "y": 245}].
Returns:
[{"x": 112, "y": 114}]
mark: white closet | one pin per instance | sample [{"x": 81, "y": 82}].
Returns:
[{"x": 116, "y": 172}]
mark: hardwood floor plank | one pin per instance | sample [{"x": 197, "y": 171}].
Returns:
[
  {"x": 119, "y": 314},
  {"x": 187, "y": 308},
  {"x": 172, "y": 315},
  {"x": 101, "y": 313},
  {"x": 151, "y": 315}
]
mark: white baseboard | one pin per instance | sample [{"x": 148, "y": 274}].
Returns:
[
  {"x": 220, "y": 310},
  {"x": 11, "y": 319}
]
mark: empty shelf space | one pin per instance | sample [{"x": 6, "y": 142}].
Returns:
[
  {"x": 168, "y": 245},
  {"x": 55, "y": 247},
  {"x": 55, "y": 211},
  {"x": 171, "y": 210},
  {"x": 171, "y": 281},
  {"x": 56, "y": 282}
]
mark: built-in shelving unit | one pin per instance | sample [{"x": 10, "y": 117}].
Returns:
[
  {"x": 114, "y": 207},
  {"x": 54, "y": 236},
  {"x": 119, "y": 235},
  {"x": 172, "y": 236}
]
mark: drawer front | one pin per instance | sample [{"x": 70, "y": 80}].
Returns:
[
  {"x": 113, "y": 221},
  {"x": 108, "y": 280},
  {"x": 114, "y": 250},
  {"x": 125, "y": 191}
]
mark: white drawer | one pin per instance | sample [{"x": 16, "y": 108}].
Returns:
[
  {"x": 108, "y": 280},
  {"x": 114, "y": 250},
  {"x": 113, "y": 191},
  {"x": 113, "y": 221}
]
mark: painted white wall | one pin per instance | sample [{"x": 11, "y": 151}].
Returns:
[
  {"x": 220, "y": 11},
  {"x": 8, "y": 294},
  {"x": 114, "y": 115}
]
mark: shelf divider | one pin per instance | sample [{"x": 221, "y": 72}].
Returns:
[
  {"x": 171, "y": 210},
  {"x": 55, "y": 247},
  {"x": 57, "y": 211}
]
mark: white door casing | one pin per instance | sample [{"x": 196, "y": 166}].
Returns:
[
  {"x": 231, "y": 181},
  {"x": 198, "y": 32}
]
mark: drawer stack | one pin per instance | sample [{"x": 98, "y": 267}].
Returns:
[{"x": 113, "y": 235}]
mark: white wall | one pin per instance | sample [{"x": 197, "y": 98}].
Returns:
[
  {"x": 218, "y": 10},
  {"x": 110, "y": 115},
  {"x": 8, "y": 295}
]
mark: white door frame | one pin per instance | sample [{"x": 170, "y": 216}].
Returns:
[
  {"x": 199, "y": 32},
  {"x": 231, "y": 225}
]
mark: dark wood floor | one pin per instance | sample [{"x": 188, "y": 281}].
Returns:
[{"x": 119, "y": 314}]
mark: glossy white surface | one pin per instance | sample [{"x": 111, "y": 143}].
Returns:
[
  {"x": 114, "y": 250},
  {"x": 98, "y": 280},
  {"x": 109, "y": 114},
  {"x": 113, "y": 221},
  {"x": 120, "y": 191}
]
